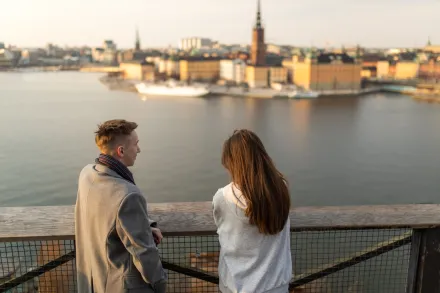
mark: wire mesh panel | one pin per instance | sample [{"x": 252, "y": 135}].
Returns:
[
  {"x": 37, "y": 266},
  {"x": 331, "y": 261},
  {"x": 351, "y": 260},
  {"x": 195, "y": 254}
]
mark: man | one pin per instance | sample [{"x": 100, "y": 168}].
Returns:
[{"x": 115, "y": 239}]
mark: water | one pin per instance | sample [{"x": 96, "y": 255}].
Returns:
[{"x": 376, "y": 149}]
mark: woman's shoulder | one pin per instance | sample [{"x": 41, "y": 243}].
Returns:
[{"x": 220, "y": 194}]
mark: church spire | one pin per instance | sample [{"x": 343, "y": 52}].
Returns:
[
  {"x": 258, "y": 25},
  {"x": 429, "y": 42},
  {"x": 138, "y": 40}
]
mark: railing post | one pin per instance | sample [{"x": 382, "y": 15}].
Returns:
[{"x": 424, "y": 263}]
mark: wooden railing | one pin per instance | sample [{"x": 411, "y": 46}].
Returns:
[{"x": 419, "y": 226}]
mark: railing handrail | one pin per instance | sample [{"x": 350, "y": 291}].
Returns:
[{"x": 195, "y": 218}]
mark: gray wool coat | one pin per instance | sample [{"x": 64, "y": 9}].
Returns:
[{"x": 115, "y": 249}]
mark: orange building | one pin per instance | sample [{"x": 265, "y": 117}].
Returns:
[
  {"x": 278, "y": 74},
  {"x": 138, "y": 70},
  {"x": 430, "y": 69},
  {"x": 406, "y": 70},
  {"x": 328, "y": 71},
  {"x": 370, "y": 65},
  {"x": 199, "y": 69},
  {"x": 257, "y": 76}
]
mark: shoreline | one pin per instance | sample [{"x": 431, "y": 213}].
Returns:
[
  {"x": 119, "y": 84},
  {"x": 428, "y": 99}
]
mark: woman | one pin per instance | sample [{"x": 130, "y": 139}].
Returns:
[{"x": 252, "y": 217}]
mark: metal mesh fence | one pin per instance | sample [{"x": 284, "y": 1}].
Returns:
[
  {"x": 37, "y": 266},
  {"x": 330, "y": 261},
  {"x": 333, "y": 261}
]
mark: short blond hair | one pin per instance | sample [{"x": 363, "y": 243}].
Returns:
[{"x": 112, "y": 131}]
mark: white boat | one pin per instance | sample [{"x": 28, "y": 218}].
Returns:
[
  {"x": 303, "y": 95},
  {"x": 171, "y": 89},
  {"x": 250, "y": 92}
]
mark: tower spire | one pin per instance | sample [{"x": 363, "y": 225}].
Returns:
[
  {"x": 138, "y": 40},
  {"x": 258, "y": 25}
]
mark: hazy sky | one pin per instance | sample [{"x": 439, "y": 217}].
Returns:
[{"x": 394, "y": 23}]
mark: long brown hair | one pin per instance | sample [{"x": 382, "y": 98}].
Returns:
[{"x": 264, "y": 188}]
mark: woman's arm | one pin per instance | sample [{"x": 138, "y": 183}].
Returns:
[{"x": 216, "y": 206}]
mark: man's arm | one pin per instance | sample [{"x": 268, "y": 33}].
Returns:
[
  {"x": 133, "y": 228},
  {"x": 152, "y": 223}
]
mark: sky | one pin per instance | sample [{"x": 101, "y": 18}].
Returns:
[{"x": 161, "y": 23}]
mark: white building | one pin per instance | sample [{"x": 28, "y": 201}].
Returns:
[
  {"x": 194, "y": 43},
  {"x": 240, "y": 72},
  {"x": 98, "y": 55},
  {"x": 163, "y": 65},
  {"x": 31, "y": 57},
  {"x": 6, "y": 58},
  {"x": 233, "y": 70}
]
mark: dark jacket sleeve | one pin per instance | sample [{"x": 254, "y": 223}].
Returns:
[{"x": 133, "y": 228}]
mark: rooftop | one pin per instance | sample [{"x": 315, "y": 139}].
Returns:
[
  {"x": 138, "y": 62},
  {"x": 200, "y": 58},
  {"x": 326, "y": 58}
]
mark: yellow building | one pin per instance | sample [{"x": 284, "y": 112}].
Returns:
[
  {"x": 366, "y": 73},
  {"x": 138, "y": 70},
  {"x": 328, "y": 71},
  {"x": 383, "y": 69},
  {"x": 406, "y": 70},
  {"x": 257, "y": 76},
  {"x": 278, "y": 74},
  {"x": 432, "y": 49},
  {"x": 199, "y": 69}
]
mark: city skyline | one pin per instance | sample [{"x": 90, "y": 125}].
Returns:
[{"x": 396, "y": 23}]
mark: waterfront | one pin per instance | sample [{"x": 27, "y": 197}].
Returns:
[{"x": 375, "y": 149}]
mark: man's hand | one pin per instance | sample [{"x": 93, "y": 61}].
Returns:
[{"x": 157, "y": 235}]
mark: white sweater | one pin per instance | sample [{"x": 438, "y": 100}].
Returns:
[{"x": 250, "y": 262}]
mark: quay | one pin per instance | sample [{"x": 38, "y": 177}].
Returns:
[{"x": 334, "y": 249}]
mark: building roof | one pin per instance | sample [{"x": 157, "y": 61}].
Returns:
[
  {"x": 138, "y": 62},
  {"x": 140, "y": 55},
  {"x": 326, "y": 58},
  {"x": 373, "y": 68},
  {"x": 274, "y": 60},
  {"x": 433, "y": 58},
  {"x": 373, "y": 57},
  {"x": 200, "y": 58},
  {"x": 258, "y": 23},
  {"x": 407, "y": 56}
]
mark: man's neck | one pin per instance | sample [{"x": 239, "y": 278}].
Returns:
[{"x": 115, "y": 157}]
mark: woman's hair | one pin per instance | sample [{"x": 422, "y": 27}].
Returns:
[{"x": 263, "y": 187}]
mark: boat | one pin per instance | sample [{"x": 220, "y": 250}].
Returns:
[
  {"x": 241, "y": 91},
  {"x": 171, "y": 89},
  {"x": 303, "y": 95},
  {"x": 401, "y": 89}
]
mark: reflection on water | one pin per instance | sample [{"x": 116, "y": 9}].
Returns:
[{"x": 377, "y": 149}]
